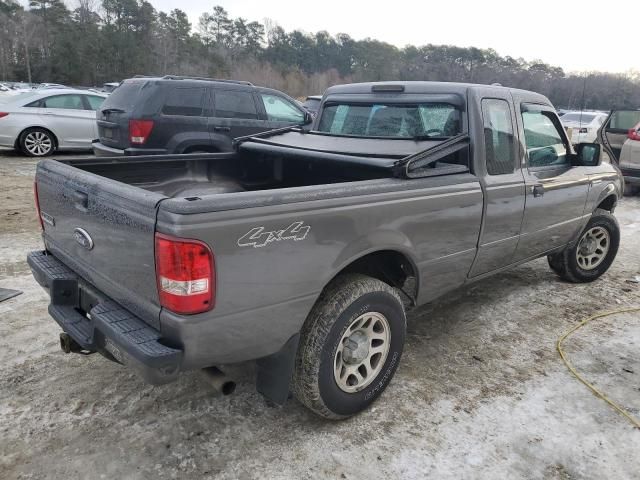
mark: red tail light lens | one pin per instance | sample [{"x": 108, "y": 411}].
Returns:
[
  {"x": 139, "y": 131},
  {"x": 185, "y": 272},
  {"x": 634, "y": 134},
  {"x": 37, "y": 202},
  {"x": 3, "y": 114}
]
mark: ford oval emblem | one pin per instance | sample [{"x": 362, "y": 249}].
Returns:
[{"x": 83, "y": 238}]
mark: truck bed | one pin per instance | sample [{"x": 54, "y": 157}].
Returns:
[{"x": 268, "y": 164}]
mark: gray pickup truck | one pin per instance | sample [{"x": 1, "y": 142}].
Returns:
[{"x": 301, "y": 250}]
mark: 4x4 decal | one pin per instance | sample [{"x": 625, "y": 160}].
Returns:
[{"x": 259, "y": 237}]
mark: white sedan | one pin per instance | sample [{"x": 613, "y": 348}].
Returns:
[
  {"x": 42, "y": 121},
  {"x": 582, "y": 127}
]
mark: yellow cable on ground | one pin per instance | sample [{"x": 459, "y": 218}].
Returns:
[{"x": 597, "y": 393}]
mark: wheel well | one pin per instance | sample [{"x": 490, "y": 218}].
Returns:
[
  {"x": 389, "y": 266},
  {"x": 53, "y": 135},
  {"x": 609, "y": 203}
]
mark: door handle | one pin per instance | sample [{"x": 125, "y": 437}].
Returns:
[
  {"x": 222, "y": 129},
  {"x": 537, "y": 190}
]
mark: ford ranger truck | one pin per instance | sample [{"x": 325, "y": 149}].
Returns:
[{"x": 301, "y": 250}]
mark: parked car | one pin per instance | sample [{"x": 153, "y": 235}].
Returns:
[
  {"x": 43, "y": 121},
  {"x": 582, "y": 127},
  {"x": 300, "y": 249},
  {"x": 312, "y": 103},
  {"x": 109, "y": 86},
  {"x": 619, "y": 138},
  {"x": 44, "y": 86},
  {"x": 152, "y": 116}
]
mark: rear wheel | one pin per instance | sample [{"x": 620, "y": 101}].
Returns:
[
  {"x": 593, "y": 253},
  {"x": 37, "y": 142},
  {"x": 350, "y": 346}
]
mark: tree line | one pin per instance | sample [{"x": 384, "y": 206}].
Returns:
[{"x": 109, "y": 40}]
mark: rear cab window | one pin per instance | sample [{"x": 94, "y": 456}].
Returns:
[{"x": 391, "y": 120}]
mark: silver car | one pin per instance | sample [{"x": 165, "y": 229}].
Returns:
[{"x": 43, "y": 121}]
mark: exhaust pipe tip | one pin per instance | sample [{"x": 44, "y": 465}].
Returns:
[{"x": 219, "y": 380}]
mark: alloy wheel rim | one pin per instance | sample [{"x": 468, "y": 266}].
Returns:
[
  {"x": 593, "y": 248},
  {"x": 362, "y": 352},
  {"x": 38, "y": 143}
]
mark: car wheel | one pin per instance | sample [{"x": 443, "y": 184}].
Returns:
[
  {"x": 37, "y": 142},
  {"x": 593, "y": 253},
  {"x": 350, "y": 346}
]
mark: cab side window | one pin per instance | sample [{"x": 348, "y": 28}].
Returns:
[
  {"x": 544, "y": 142},
  {"x": 498, "y": 136}
]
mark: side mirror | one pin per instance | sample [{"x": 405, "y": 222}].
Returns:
[
  {"x": 308, "y": 118},
  {"x": 588, "y": 154}
]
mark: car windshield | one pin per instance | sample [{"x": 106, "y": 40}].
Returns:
[
  {"x": 576, "y": 117},
  {"x": 391, "y": 120}
]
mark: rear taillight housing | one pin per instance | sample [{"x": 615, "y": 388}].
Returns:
[
  {"x": 3, "y": 114},
  {"x": 634, "y": 134},
  {"x": 185, "y": 272},
  {"x": 139, "y": 131},
  {"x": 37, "y": 202}
]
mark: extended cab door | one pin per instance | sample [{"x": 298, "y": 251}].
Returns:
[
  {"x": 615, "y": 131},
  {"x": 556, "y": 191},
  {"x": 502, "y": 183}
]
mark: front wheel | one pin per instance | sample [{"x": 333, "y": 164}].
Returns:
[
  {"x": 350, "y": 346},
  {"x": 593, "y": 253}
]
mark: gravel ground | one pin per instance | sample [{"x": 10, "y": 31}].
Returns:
[{"x": 480, "y": 392}]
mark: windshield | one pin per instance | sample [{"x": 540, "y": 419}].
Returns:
[
  {"x": 575, "y": 117},
  {"x": 123, "y": 97},
  {"x": 391, "y": 120}
]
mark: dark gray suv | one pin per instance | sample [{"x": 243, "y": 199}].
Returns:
[{"x": 164, "y": 115}]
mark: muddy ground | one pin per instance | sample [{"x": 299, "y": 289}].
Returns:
[{"x": 480, "y": 393}]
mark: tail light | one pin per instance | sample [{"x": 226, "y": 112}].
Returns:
[
  {"x": 3, "y": 114},
  {"x": 634, "y": 134},
  {"x": 139, "y": 131},
  {"x": 584, "y": 130},
  {"x": 185, "y": 272},
  {"x": 37, "y": 202}
]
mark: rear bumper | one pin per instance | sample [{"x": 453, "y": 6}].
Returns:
[
  {"x": 101, "y": 150},
  {"x": 107, "y": 327}
]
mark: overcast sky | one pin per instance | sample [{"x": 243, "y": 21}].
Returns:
[{"x": 575, "y": 35}]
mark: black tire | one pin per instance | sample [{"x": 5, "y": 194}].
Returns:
[
  {"x": 46, "y": 147},
  {"x": 341, "y": 303},
  {"x": 565, "y": 263}
]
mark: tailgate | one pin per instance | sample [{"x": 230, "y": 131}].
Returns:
[{"x": 104, "y": 231}]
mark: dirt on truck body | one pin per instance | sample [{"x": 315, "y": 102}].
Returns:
[{"x": 301, "y": 250}]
